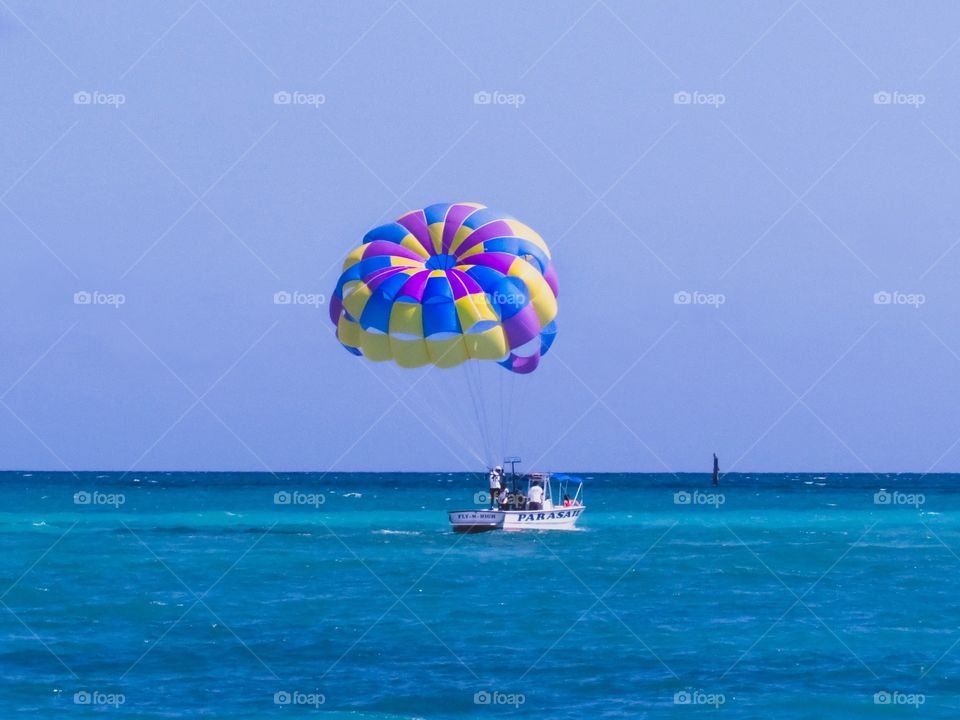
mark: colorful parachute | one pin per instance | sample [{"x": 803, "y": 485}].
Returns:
[{"x": 447, "y": 284}]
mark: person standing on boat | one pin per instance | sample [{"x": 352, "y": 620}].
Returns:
[
  {"x": 716, "y": 470},
  {"x": 535, "y": 499},
  {"x": 495, "y": 476}
]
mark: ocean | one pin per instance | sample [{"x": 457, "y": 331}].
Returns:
[{"x": 183, "y": 595}]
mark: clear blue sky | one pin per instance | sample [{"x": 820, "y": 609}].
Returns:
[{"x": 796, "y": 199}]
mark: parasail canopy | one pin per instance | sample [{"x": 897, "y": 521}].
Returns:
[{"x": 446, "y": 284}]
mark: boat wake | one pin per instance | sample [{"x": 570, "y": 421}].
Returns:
[{"x": 397, "y": 532}]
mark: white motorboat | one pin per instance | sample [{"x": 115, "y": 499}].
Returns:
[{"x": 519, "y": 514}]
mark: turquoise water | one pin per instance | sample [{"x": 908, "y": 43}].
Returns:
[{"x": 195, "y": 595}]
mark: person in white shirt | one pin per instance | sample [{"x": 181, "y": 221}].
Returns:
[
  {"x": 495, "y": 476},
  {"x": 535, "y": 498}
]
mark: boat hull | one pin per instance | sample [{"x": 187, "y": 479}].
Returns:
[{"x": 477, "y": 521}]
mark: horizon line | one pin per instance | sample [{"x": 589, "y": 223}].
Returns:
[{"x": 481, "y": 472}]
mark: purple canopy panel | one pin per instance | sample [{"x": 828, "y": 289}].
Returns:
[
  {"x": 522, "y": 327},
  {"x": 377, "y": 278},
  {"x": 524, "y": 365},
  {"x": 336, "y": 307},
  {"x": 414, "y": 287},
  {"x": 495, "y": 229},
  {"x": 550, "y": 275},
  {"x": 463, "y": 284},
  {"x": 416, "y": 223},
  {"x": 500, "y": 262},
  {"x": 455, "y": 217},
  {"x": 385, "y": 247}
]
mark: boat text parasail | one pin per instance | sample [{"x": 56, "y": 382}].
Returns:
[{"x": 447, "y": 284}]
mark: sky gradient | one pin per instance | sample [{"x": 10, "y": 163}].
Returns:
[{"x": 781, "y": 162}]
